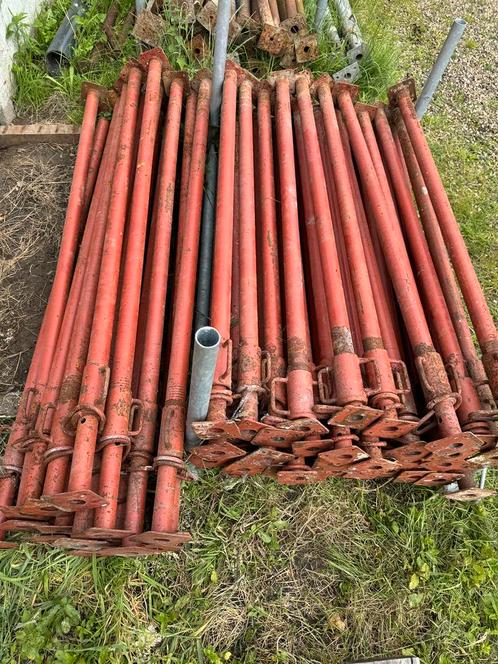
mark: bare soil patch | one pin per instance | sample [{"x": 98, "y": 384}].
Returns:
[{"x": 35, "y": 185}]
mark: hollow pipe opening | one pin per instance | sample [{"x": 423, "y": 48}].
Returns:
[{"x": 207, "y": 337}]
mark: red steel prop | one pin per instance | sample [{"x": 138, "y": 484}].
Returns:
[
  {"x": 141, "y": 455},
  {"x": 52, "y": 320},
  {"x": 349, "y": 392},
  {"x": 272, "y": 336},
  {"x": 221, "y": 393},
  {"x": 471, "y": 289},
  {"x": 89, "y": 417},
  {"x": 119, "y": 420},
  {"x": 169, "y": 460}
]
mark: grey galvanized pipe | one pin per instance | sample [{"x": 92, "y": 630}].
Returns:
[
  {"x": 207, "y": 228},
  {"x": 61, "y": 48},
  {"x": 206, "y": 347},
  {"x": 219, "y": 60},
  {"x": 323, "y": 21},
  {"x": 203, "y": 297},
  {"x": 321, "y": 10},
  {"x": 351, "y": 31},
  {"x": 439, "y": 67}
]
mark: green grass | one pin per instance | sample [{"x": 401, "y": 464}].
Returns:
[
  {"x": 275, "y": 574},
  {"x": 324, "y": 574}
]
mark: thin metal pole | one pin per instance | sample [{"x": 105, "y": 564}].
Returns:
[
  {"x": 439, "y": 67},
  {"x": 203, "y": 295},
  {"x": 321, "y": 10},
  {"x": 219, "y": 59}
]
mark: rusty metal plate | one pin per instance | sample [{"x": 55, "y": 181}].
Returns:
[
  {"x": 372, "y": 469},
  {"x": 470, "y": 495},
  {"x": 278, "y": 438},
  {"x": 132, "y": 551},
  {"x": 80, "y": 544},
  {"x": 292, "y": 477},
  {"x": 218, "y": 452},
  {"x": 410, "y": 476},
  {"x": 199, "y": 47},
  {"x": 305, "y": 448},
  {"x": 207, "y": 15},
  {"x": 219, "y": 429},
  {"x": 16, "y": 512},
  {"x": 306, "y": 425},
  {"x": 390, "y": 427},
  {"x": 43, "y": 539},
  {"x": 344, "y": 456},
  {"x": 75, "y": 501},
  {"x": 157, "y": 539},
  {"x": 463, "y": 444},
  {"x": 273, "y": 40},
  {"x": 286, "y": 432},
  {"x": 33, "y": 508},
  {"x": 109, "y": 534},
  {"x": 445, "y": 464},
  {"x": 489, "y": 458},
  {"x": 249, "y": 428},
  {"x": 408, "y": 456},
  {"x": 306, "y": 49},
  {"x": 296, "y": 26},
  {"x": 355, "y": 417},
  {"x": 258, "y": 461},
  {"x": 20, "y": 525},
  {"x": 54, "y": 529},
  {"x": 437, "y": 479},
  {"x": 197, "y": 462},
  {"x": 333, "y": 471}
]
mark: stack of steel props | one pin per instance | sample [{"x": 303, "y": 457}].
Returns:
[
  {"x": 350, "y": 354},
  {"x": 84, "y": 440},
  {"x": 338, "y": 264}
]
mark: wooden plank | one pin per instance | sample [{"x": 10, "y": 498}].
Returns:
[{"x": 38, "y": 133}]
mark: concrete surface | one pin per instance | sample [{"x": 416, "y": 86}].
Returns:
[{"x": 8, "y": 9}]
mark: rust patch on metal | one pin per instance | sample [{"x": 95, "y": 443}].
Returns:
[
  {"x": 258, "y": 461},
  {"x": 437, "y": 479},
  {"x": 355, "y": 417},
  {"x": 218, "y": 452},
  {"x": 410, "y": 476},
  {"x": 463, "y": 444},
  {"x": 311, "y": 447},
  {"x": 344, "y": 456}
]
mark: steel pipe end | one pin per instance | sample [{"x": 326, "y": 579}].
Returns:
[
  {"x": 406, "y": 87},
  {"x": 207, "y": 337},
  {"x": 56, "y": 62}
]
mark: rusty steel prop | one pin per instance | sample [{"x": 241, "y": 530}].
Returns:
[
  {"x": 168, "y": 463},
  {"x": 12, "y": 460},
  {"x": 349, "y": 392},
  {"x": 336, "y": 361},
  {"x": 440, "y": 397},
  {"x": 122, "y": 412},
  {"x": 141, "y": 455},
  {"x": 402, "y": 97},
  {"x": 221, "y": 393},
  {"x": 88, "y": 418}
]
